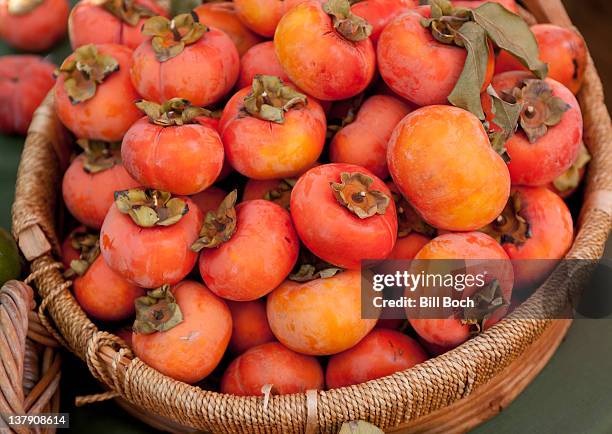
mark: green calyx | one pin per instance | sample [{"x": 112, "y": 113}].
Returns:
[
  {"x": 408, "y": 220},
  {"x": 486, "y": 302},
  {"x": 571, "y": 177},
  {"x": 350, "y": 26},
  {"x": 281, "y": 195},
  {"x": 446, "y": 21},
  {"x": 22, "y": 7},
  {"x": 85, "y": 71},
  {"x": 353, "y": 191},
  {"x": 170, "y": 37},
  {"x": 310, "y": 267},
  {"x": 87, "y": 243},
  {"x": 100, "y": 155},
  {"x": 539, "y": 108},
  {"x": 175, "y": 111},
  {"x": 148, "y": 208},
  {"x": 510, "y": 226},
  {"x": 157, "y": 311},
  {"x": 270, "y": 99},
  {"x": 219, "y": 226},
  {"x": 127, "y": 11}
]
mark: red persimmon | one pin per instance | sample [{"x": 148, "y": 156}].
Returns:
[
  {"x": 209, "y": 199},
  {"x": 24, "y": 83},
  {"x": 275, "y": 366},
  {"x": 276, "y": 190},
  {"x": 344, "y": 214},
  {"x": 250, "y": 326},
  {"x": 379, "y": 13},
  {"x": 566, "y": 184},
  {"x": 262, "y": 16},
  {"x": 260, "y": 59}
]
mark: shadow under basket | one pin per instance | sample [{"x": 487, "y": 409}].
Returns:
[{"x": 450, "y": 393}]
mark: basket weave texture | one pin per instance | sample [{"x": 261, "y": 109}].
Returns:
[{"x": 387, "y": 402}]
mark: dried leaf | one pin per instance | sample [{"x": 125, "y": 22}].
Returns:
[
  {"x": 510, "y": 226},
  {"x": 169, "y": 37},
  {"x": 353, "y": 192},
  {"x": 149, "y": 208},
  {"x": 127, "y": 11},
  {"x": 486, "y": 302},
  {"x": 310, "y": 267},
  {"x": 219, "y": 226},
  {"x": 175, "y": 111},
  {"x": 100, "y": 155},
  {"x": 571, "y": 177},
  {"x": 157, "y": 311},
  {"x": 270, "y": 98},
  {"x": 22, "y": 7},
  {"x": 506, "y": 117},
  {"x": 349, "y": 25}
]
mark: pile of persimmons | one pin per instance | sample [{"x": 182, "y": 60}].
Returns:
[{"x": 239, "y": 162}]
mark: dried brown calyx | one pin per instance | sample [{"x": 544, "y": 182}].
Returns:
[
  {"x": 281, "y": 195},
  {"x": 510, "y": 226},
  {"x": 157, "y": 311},
  {"x": 571, "y": 177},
  {"x": 539, "y": 108},
  {"x": 22, "y": 7},
  {"x": 353, "y": 191},
  {"x": 270, "y": 98},
  {"x": 310, "y": 267},
  {"x": 127, "y": 11},
  {"x": 100, "y": 155},
  {"x": 170, "y": 37},
  {"x": 487, "y": 301},
  {"x": 87, "y": 243},
  {"x": 219, "y": 226},
  {"x": 85, "y": 71},
  {"x": 349, "y": 25},
  {"x": 175, "y": 111},
  {"x": 408, "y": 220},
  {"x": 352, "y": 108},
  {"x": 149, "y": 208}
]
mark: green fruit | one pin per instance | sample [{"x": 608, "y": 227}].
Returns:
[{"x": 10, "y": 264}]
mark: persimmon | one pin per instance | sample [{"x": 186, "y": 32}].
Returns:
[
  {"x": 147, "y": 235},
  {"x": 325, "y": 49},
  {"x": 562, "y": 48},
  {"x": 441, "y": 160},
  {"x": 536, "y": 231},
  {"x": 33, "y": 25},
  {"x": 125, "y": 333},
  {"x": 272, "y": 131},
  {"x": 550, "y": 133},
  {"x": 184, "y": 59},
  {"x": 418, "y": 67},
  {"x": 382, "y": 352},
  {"x": 260, "y": 59},
  {"x": 82, "y": 242},
  {"x": 209, "y": 199},
  {"x": 91, "y": 180},
  {"x": 379, "y": 13},
  {"x": 567, "y": 183},
  {"x": 223, "y": 16},
  {"x": 407, "y": 247},
  {"x": 276, "y": 190},
  {"x": 364, "y": 140},
  {"x": 275, "y": 367},
  {"x": 240, "y": 260},
  {"x": 168, "y": 150},
  {"x": 111, "y": 21},
  {"x": 321, "y": 316},
  {"x": 94, "y": 97},
  {"x": 250, "y": 326},
  {"x": 24, "y": 83},
  {"x": 481, "y": 254},
  {"x": 344, "y": 214},
  {"x": 262, "y": 16},
  {"x": 182, "y": 331}
]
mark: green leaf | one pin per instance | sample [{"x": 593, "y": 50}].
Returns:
[
  {"x": 506, "y": 117},
  {"x": 466, "y": 93},
  {"x": 511, "y": 33}
]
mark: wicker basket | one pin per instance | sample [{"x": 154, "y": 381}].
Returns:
[{"x": 450, "y": 393}]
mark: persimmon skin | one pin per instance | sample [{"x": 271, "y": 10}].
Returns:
[
  {"x": 364, "y": 141},
  {"x": 258, "y": 257},
  {"x": 511, "y": 5},
  {"x": 203, "y": 73},
  {"x": 191, "y": 350},
  {"x": 182, "y": 159},
  {"x": 272, "y": 363},
  {"x": 150, "y": 257},
  {"x": 562, "y": 48},
  {"x": 263, "y": 150},
  {"x": 111, "y": 111},
  {"x": 24, "y": 83},
  {"x": 260, "y": 59},
  {"x": 209, "y": 199},
  {"x": 416, "y": 66},
  {"x": 262, "y": 16},
  {"x": 382, "y": 352},
  {"x": 104, "y": 294},
  {"x": 69, "y": 253},
  {"x": 441, "y": 160},
  {"x": 447, "y": 333},
  {"x": 223, "y": 16},
  {"x": 407, "y": 247},
  {"x": 552, "y": 233},
  {"x": 37, "y": 30},
  {"x": 250, "y": 326},
  {"x": 311, "y": 52},
  {"x": 379, "y": 13},
  {"x": 89, "y": 196},
  {"x": 330, "y": 230},
  {"x": 551, "y": 155},
  {"x": 89, "y": 23},
  {"x": 308, "y": 317}
]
